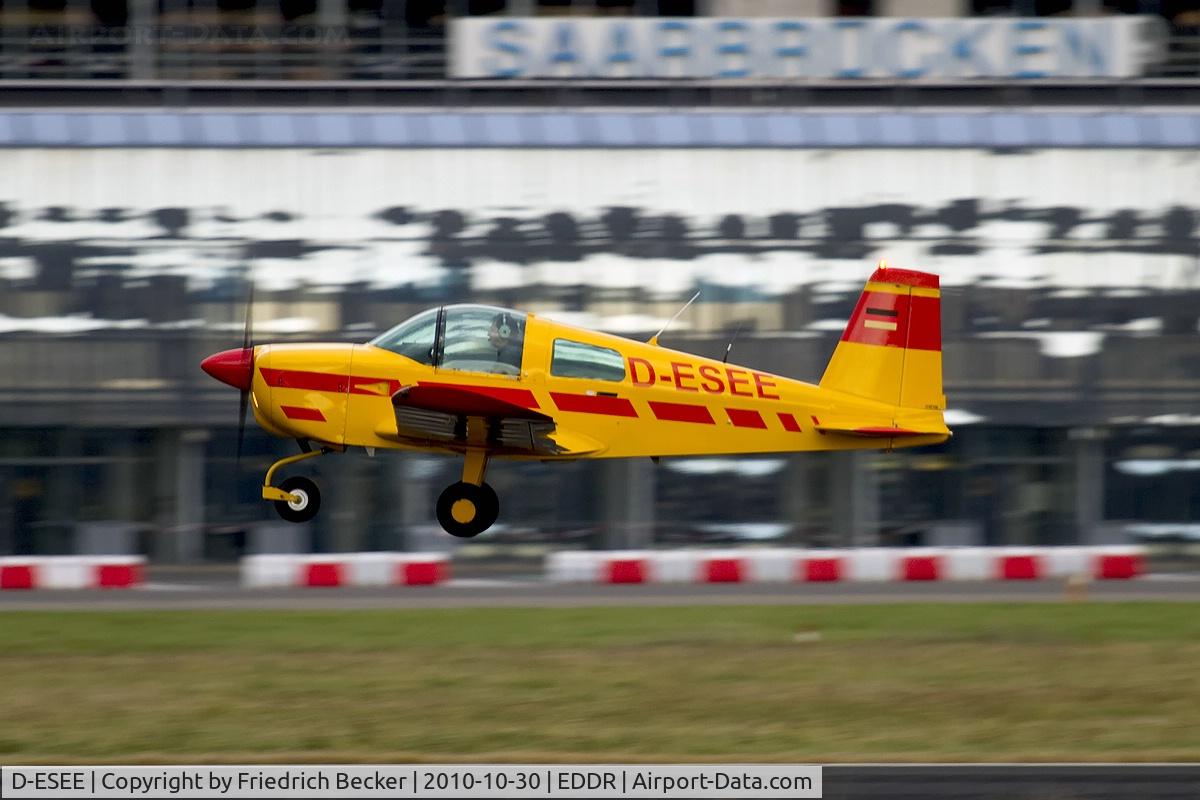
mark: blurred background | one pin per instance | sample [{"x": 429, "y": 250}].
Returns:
[{"x": 599, "y": 161}]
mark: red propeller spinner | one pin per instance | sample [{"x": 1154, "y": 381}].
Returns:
[{"x": 234, "y": 367}]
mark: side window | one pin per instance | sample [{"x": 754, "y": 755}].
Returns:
[
  {"x": 578, "y": 360},
  {"x": 481, "y": 339},
  {"x": 412, "y": 339}
]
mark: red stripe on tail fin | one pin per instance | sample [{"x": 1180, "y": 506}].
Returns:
[
  {"x": 906, "y": 277},
  {"x": 896, "y": 320},
  {"x": 891, "y": 349}
]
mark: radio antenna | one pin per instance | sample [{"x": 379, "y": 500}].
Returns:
[
  {"x": 654, "y": 338},
  {"x": 732, "y": 339}
]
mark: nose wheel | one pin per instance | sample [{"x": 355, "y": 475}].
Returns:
[
  {"x": 466, "y": 510},
  {"x": 297, "y": 499},
  {"x": 305, "y": 502}
]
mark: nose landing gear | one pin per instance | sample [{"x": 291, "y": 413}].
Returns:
[{"x": 297, "y": 499}]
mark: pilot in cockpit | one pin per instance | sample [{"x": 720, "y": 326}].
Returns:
[{"x": 507, "y": 337}]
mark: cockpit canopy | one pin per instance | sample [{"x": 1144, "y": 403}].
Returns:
[{"x": 469, "y": 338}]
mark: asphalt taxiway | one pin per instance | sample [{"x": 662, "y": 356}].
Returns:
[{"x": 1013, "y": 782}]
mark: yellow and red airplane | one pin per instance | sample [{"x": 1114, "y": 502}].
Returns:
[{"x": 490, "y": 383}]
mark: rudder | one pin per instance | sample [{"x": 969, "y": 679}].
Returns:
[{"x": 891, "y": 350}]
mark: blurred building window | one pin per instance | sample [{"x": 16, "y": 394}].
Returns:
[
  {"x": 556, "y": 7},
  {"x": 479, "y": 8},
  {"x": 1153, "y": 474},
  {"x": 292, "y": 10},
  {"x": 110, "y": 13},
  {"x": 1001, "y": 7},
  {"x": 854, "y": 8},
  {"x": 676, "y": 8},
  {"x": 1183, "y": 15},
  {"x": 425, "y": 14},
  {"x": 615, "y": 7},
  {"x": 1050, "y": 8}
]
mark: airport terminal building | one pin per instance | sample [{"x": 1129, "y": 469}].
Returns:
[{"x": 601, "y": 173}]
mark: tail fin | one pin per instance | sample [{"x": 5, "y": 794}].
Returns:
[{"x": 891, "y": 350}]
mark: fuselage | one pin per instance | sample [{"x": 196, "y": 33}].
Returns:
[{"x": 667, "y": 403}]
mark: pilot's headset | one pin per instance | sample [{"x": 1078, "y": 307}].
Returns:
[{"x": 505, "y": 325}]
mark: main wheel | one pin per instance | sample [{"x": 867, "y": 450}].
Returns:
[
  {"x": 465, "y": 510},
  {"x": 307, "y": 503}
]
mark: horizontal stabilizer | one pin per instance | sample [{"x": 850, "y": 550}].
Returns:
[
  {"x": 903, "y": 424},
  {"x": 874, "y": 432}
]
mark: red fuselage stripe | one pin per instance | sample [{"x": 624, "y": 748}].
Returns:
[
  {"x": 593, "y": 404},
  {"x": 681, "y": 412},
  {"x": 296, "y": 412},
  {"x": 745, "y": 418},
  {"x": 789, "y": 422},
  {"x": 330, "y": 382},
  {"x": 298, "y": 379}
]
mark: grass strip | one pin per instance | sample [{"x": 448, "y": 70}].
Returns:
[{"x": 936, "y": 682}]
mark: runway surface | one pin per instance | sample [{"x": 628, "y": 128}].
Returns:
[
  {"x": 1014, "y": 782},
  {"x": 207, "y": 588},
  {"x": 212, "y": 589}
]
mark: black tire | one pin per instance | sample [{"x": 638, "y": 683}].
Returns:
[
  {"x": 299, "y": 512},
  {"x": 480, "y": 508}
]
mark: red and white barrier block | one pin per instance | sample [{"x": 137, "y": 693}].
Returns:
[
  {"x": 71, "y": 572},
  {"x": 862, "y": 564},
  {"x": 345, "y": 569}
]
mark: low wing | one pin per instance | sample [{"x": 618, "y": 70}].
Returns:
[
  {"x": 442, "y": 415},
  {"x": 451, "y": 399}
]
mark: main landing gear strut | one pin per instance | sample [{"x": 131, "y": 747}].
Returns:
[
  {"x": 465, "y": 509},
  {"x": 469, "y": 507}
]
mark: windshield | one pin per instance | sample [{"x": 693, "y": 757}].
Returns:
[
  {"x": 414, "y": 338},
  {"x": 466, "y": 338}
]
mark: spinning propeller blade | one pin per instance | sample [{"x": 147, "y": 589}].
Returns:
[{"x": 248, "y": 356}]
